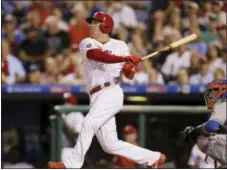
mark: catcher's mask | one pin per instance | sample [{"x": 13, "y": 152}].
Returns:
[{"x": 216, "y": 91}]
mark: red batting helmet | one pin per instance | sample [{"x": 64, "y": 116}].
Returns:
[
  {"x": 128, "y": 129},
  {"x": 106, "y": 20}
]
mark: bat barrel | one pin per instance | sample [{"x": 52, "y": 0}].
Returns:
[{"x": 178, "y": 43}]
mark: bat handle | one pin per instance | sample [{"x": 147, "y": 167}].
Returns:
[
  {"x": 150, "y": 55},
  {"x": 166, "y": 48}
]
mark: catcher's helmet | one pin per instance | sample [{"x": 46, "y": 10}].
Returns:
[
  {"x": 106, "y": 20},
  {"x": 216, "y": 91}
]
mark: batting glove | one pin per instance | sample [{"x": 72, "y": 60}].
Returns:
[{"x": 134, "y": 59}]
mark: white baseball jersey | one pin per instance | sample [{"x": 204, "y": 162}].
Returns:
[{"x": 97, "y": 73}]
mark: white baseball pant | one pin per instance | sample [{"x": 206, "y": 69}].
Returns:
[{"x": 100, "y": 121}]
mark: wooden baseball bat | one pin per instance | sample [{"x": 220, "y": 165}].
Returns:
[{"x": 175, "y": 44}]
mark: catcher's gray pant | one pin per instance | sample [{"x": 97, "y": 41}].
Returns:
[{"x": 214, "y": 146}]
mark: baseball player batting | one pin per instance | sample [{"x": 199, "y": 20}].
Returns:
[
  {"x": 104, "y": 60},
  {"x": 211, "y": 136}
]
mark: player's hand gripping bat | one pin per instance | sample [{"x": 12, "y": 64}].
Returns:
[{"x": 173, "y": 45}]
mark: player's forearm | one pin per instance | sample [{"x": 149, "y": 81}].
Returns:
[{"x": 104, "y": 57}]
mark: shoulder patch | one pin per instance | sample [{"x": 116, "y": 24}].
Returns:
[{"x": 89, "y": 45}]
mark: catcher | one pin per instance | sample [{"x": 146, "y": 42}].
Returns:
[{"x": 211, "y": 136}]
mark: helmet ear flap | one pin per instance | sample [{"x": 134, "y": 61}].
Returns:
[{"x": 104, "y": 26}]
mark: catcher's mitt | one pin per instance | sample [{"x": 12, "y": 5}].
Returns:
[{"x": 186, "y": 135}]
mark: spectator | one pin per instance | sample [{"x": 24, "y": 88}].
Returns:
[
  {"x": 205, "y": 12},
  {"x": 58, "y": 41},
  {"x": 158, "y": 19},
  {"x": 175, "y": 61},
  {"x": 122, "y": 23},
  {"x": 195, "y": 63},
  {"x": 141, "y": 8},
  {"x": 213, "y": 58},
  {"x": 204, "y": 76},
  {"x": 62, "y": 25},
  {"x": 120, "y": 12},
  {"x": 222, "y": 43},
  {"x": 93, "y": 7},
  {"x": 223, "y": 60},
  {"x": 217, "y": 10},
  {"x": 197, "y": 159},
  {"x": 155, "y": 77},
  {"x": 139, "y": 40},
  {"x": 34, "y": 74},
  {"x": 8, "y": 6},
  {"x": 51, "y": 71},
  {"x": 13, "y": 35},
  {"x": 10, "y": 28},
  {"x": 170, "y": 21},
  {"x": 106, "y": 6},
  {"x": 15, "y": 7},
  {"x": 21, "y": 8},
  {"x": 129, "y": 135},
  {"x": 190, "y": 21},
  {"x": 210, "y": 34},
  {"x": 199, "y": 45},
  {"x": 44, "y": 9},
  {"x": 160, "y": 6},
  {"x": 66, "y": 63},
  {"x": 182, "y": 77},
  {"x": 79, "y": 29},
  {"x": 65, "y": 7},
  {"x": 172, "y": 29},
  {"x": 34, "y": 47},
  {"x": 219, "y": 74},
  {"x": 12, "y": 68},
  {"x": 32, "y": 20},
  {"x": 74, "y": 76}
]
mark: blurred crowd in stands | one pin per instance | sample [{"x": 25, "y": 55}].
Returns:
[{"x": 40, "y": 39}]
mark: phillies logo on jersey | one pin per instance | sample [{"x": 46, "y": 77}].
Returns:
[{"x": 89, "y": 45}]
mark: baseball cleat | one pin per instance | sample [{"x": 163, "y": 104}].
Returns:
[{"x": 56, "y": 165}]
